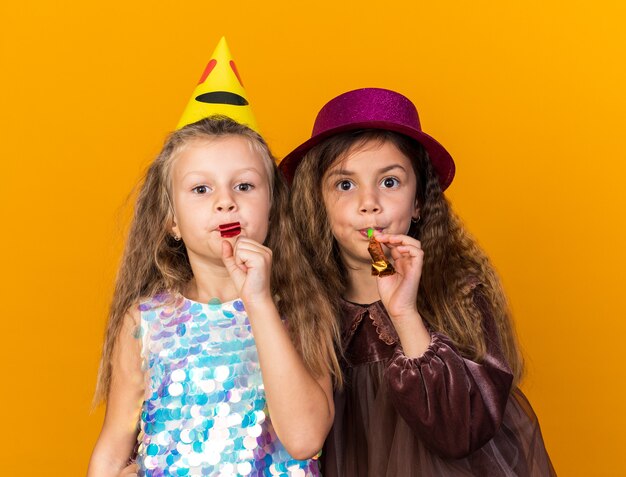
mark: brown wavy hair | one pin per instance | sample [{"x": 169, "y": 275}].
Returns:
[
  {"x": 154, "y": 262},
  {"x": 456, "y": 272}
]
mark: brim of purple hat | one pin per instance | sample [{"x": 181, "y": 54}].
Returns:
[{"x": 440, "y": 158}]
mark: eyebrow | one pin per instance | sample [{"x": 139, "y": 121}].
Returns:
[
  {"x": 345, "y": 172},
  {"x": 239, "y": 171}
]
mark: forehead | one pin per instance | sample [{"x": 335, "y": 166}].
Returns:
[
  {"x": 220, "y": 155},
  {"x": 371, "y": 155}
]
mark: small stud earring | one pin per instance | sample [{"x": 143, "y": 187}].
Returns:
[{"x": 177, "y": 237}]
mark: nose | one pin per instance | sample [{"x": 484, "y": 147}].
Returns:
[
  {"x": 225, "y": 203},
  {"x": 369, "y": 201}
]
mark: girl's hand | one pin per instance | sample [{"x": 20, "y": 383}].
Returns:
[
  {"x": 398, "y": 292},
  {"x": 129, "y": 471},
  {"x": 249, "y": 265}
]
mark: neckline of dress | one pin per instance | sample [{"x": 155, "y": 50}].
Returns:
[
  {"x": 208, "y": 303},
  {"x": 362, "y": 305}
]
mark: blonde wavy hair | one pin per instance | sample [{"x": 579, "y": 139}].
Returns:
[
  {"x": 153, "y": 262},
  {"x": 458, "y": 282}
]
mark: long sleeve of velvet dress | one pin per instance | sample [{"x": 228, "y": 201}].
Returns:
[{"x": 436, "y": 415}]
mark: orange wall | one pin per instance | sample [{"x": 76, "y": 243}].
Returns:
[{"x": 528, "y": 97}]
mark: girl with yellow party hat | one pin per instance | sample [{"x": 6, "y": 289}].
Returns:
[{"x": 199, "y": 370}]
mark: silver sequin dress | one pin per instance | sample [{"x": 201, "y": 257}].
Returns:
[{"x": 205, "y": 412}]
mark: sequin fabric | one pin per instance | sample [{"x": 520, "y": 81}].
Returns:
[{"x": 205, "y": 411}]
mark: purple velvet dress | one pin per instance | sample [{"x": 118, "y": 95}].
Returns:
[{"x": 437, "y": 415}]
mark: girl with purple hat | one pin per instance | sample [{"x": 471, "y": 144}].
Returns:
[{"x": 429, "y": 354}]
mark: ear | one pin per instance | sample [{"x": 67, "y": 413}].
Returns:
[
  {"x": 175, "y": 229},
  {"x": 416, "y": 210}
]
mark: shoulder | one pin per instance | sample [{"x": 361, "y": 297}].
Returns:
[
  {"x": 144, "y": 310},
  {"x": 130, "y": 329},
  {"x": 164, "y": 304},
  {"x": 128, "y": 344},
  {"x": 160, "y": 300}
]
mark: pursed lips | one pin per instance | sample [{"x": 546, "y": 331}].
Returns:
[
  {"x": 225, "y": 223},
  {"x": 363, "y": 232}
]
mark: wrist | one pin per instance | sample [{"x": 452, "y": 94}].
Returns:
[
  {"x": 413, "y": 334},
  {"x": 403, "y": 318},
  {"x": 258, "y": 303},
  {"x": 407, "y": 323}
]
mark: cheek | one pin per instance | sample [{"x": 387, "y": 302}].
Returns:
[
  {"x": 263, "y": 205},
  {"x": 258, "y": 212},
  {"x": 331, "y": 210},
  {"x": 332, "y": 203},
  {"x": 191, "y": 215},
  {"x": 407, "y": 202},
  {"x": 410, "y": 207},
  {"x": 339, "y": 224},
  {"x": 403, "y": 214},
  {"x": 337, "y": 208}
]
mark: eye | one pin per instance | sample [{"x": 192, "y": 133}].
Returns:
[
  {"x": 244, "y": 187},
  {"x": 390, "y": 182},
  {"x": 344, "y": 185},
  {"x": 201, "y": 189}
]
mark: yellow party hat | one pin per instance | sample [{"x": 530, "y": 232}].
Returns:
[{"x": 219, "y": 91}]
